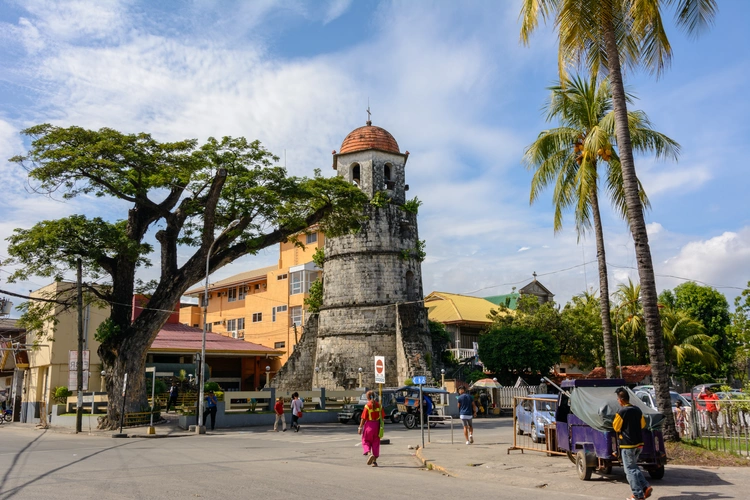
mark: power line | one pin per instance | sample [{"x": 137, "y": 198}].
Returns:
[
  {"x": 679, "y": 278},
  {"x": 525, "y": 280}
]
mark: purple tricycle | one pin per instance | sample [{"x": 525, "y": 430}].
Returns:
[{"x": 585, "y": 411}]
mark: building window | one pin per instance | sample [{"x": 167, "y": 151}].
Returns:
[
  {"x": 232, "y": 294},
  {"x": 279, "y": 345},
  {"x": 257, "y": 317},
  {"x": 311, "y": 238},
  {"x": 231, "y": 325},
  {"x": 241, "y": 293},
  {"x": 356, "y": 174},
  {"x": 281, "y": 277},
  {"x": 240, "y": 323},
  {"x": 209, "y": 327},
  {"x": 277, "y": 309},
  {"x": 295, "y": 316},
  {"x": 300, "y": 281}
]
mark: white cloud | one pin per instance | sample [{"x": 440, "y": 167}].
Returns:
[
  {"x": 523, "y": 249},
  {"x": 335, "y": 9},
  {"x": 723, "y": 260},
  {"x": 654, "y": 228},
  {"x": 679, "y": 179}
]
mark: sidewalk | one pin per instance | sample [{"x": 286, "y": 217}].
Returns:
[
  {"x": 166, "y": 428},
  {"x": 488, "y": 460}
]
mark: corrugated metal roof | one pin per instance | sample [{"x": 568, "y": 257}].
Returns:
[
  {"x": 246, "y": 277},
  {"x": 509, "y": 300},
  {"x": 182, "y": 338},
  {"x": 454, "y": 308}
]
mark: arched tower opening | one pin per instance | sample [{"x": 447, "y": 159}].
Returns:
[{"x": 356, "y": 174}]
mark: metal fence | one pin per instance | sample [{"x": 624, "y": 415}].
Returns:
[
  {"x": 504, "y": 396},
  {"x": 530, "y": 434},
  {"x": 727, "y": 429}
]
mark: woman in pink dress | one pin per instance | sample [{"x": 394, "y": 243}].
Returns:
[{"x": 369, "y": 428}]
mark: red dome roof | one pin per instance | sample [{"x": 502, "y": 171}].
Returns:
[{"x": 369, "y": 137}]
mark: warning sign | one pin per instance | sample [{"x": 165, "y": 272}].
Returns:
[{"x": 380, "y": 369}]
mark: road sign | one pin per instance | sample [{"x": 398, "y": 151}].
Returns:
[
  {"x": 419, "y": 380},
  {"x": 380, "y": 369}
]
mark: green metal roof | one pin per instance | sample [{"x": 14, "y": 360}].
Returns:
[{"x": 509, "y": 300}]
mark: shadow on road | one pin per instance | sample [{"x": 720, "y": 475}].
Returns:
[{"x": 14, "y": 491}]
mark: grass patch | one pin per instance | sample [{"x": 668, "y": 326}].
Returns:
[{"x": 693, "y": 453}]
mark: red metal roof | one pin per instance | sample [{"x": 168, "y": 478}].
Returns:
[
  {"x": 179, "y": 337},
  {"x": 369, "y": 137},
  {"x": 632, "y": 374}
]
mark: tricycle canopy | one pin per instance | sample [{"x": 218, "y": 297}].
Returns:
[{"x": 597, "y": 406}]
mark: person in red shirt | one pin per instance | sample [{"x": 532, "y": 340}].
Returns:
[
  {"x": 279, "y": 409},
  {"x": 369, "y": 428},
  {"x": 712, "y": 408}
]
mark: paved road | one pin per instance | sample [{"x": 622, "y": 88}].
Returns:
[{"x": 321, "y": 462}]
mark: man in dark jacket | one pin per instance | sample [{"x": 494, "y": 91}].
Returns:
[{"x": 628, "y": 425}]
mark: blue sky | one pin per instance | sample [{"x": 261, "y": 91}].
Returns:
[{"x": 449, "y": 80}]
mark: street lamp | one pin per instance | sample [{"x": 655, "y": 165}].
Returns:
[
  {"x": 359, "y": 375},
  {"x": 317, "y": 370},
  {"x": 268, "y": 373},
  {"x": 442, "y": 383},
  {"x": 201, "y": 429}
]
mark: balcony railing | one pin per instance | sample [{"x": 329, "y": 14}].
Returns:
[{"x": 461, "y": 354}]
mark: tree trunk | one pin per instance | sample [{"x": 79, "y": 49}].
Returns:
[
  {"x": 637, "y": 226},
  {"x": 609, "y": 348}
]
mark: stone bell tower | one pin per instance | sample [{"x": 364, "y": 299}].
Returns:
[{"x": 372, "y": 281}]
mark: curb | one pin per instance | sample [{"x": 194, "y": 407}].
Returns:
[
  {"x": 157, "y": 436},
  {"x": 429, "y": 464}
]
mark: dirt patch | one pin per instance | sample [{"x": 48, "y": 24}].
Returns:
[{"x": 688, "y": 454}]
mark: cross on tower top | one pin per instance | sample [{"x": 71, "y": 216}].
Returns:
[
  {"x": 534, "y": 275},
  {"x": 369, "y": 121}
]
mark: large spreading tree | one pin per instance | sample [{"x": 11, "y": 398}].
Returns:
[
  {"x": 578, "y": 157},
  {"x": 184, "y": 194},
  {"x": 604, "y": 36}
]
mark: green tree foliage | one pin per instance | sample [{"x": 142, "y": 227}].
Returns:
[
  {"x": 314, "y": 300},
  {"x": 512, "y": 351},
  {"x": 583, "y": 342},
  {"x": 689, "y": 350},
  {"x": 738, "y": 333},
  {"x": 184, "y": 193},
  {"x": 711, "y": 309},
  {"x": 441, "y": 340},
  {"x": 631, "y": 326}
]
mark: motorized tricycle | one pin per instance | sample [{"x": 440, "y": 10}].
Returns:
[
  {"x": 409, "y": 410},
  {"x": 585, "y": 411}
]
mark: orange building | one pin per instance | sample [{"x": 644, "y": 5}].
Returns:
[{"x": 263, "y": 306}]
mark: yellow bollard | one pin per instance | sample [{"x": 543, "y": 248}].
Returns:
[{"x": 151, "y": 430}]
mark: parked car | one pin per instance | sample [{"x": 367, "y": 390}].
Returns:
[
  {"x": 649, "y": 398},
  {"x": 353, "y": 411},
  {"x": 534, "y": 413}
]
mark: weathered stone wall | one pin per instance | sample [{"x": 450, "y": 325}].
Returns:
[
  {"x": 371, "y": 165},
  {"x": 339, "y": 358},
  {"x": 414, "y": 342},
  {"x": 297, "y": 372}
]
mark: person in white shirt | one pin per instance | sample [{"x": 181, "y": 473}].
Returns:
[{"x": 297, "y": 406}]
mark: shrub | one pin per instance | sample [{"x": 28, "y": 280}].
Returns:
[{"x": 61, "y": 395}]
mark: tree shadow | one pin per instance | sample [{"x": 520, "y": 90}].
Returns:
[
  {"x": 695, "y": 495},
  {"x": 14, "y": 491}
]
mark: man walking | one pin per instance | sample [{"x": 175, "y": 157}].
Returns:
[
  {"x": 467, "y": 410},
  {"x": 712, "y": 408},
  {"x": 628, "y": 425},
  {"x": 174, "y": 393}
]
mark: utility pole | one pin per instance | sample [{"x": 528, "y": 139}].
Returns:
[{"x": 79, "y": 364}]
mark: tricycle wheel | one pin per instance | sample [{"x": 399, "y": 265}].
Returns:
[
  {"x": 656, "y": 472},
  {"x": 571, "y": 457},
  {"x": 607, "y": 469},
  {"x": 584, "y": 472},
  {"x": 410, "y": 421},
  {"x": 357, "y": 416},
  {"x": 395, "y": 417}
]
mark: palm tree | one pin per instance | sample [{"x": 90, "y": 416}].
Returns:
[
  {"x": 604, "y": 35},
  {"x": 685, "y": 339},
  {"x": 629, "y": 312},
  {"x": 570, "y": 155}
]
